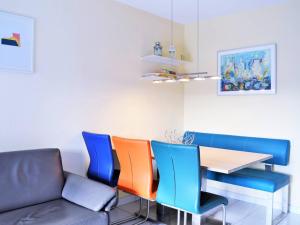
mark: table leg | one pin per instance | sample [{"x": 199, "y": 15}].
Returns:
[{"x": 203, "y": 179}]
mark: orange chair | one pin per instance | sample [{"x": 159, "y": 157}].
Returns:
[{"x": 136, "y": 170}]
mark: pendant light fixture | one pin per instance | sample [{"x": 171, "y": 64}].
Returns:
[
  {"x": 199, "y": 76},
  {"x": 172, "y": 48},
  {"x": 169, "y": 74}
]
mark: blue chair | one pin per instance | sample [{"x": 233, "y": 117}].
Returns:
[
  {"x": 266, "y": 181},
  {"x": 180, "y": 180},
  {"x": 101, "y": 166}
]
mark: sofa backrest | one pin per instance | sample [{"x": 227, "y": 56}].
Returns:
[
  {"x": 29, "y": 178},
  {"x": 280, "y": 149}
]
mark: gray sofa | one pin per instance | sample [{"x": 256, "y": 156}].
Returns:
[{"x": 34, "y": 190}]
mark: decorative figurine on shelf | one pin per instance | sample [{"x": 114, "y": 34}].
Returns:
[
  {"x": 174, "y": 137},
  {"x": 158, "y": 49},
  {"x": 188, "y": 138},
  {"x": 172, "y": 52}
]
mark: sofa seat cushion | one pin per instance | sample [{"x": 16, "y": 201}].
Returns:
[
  {"x": 57, "y": 212},
  {"x": 253, "y": 178}
]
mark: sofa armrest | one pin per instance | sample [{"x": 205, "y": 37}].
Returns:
[
  {"x": 111, "y": 204},
  {"x": 87, "y": 193}
]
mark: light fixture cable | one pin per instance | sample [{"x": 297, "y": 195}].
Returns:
[
  {"x": 198, "y": 35},
  {"x": 172, "y": 47},
  {"x": 172, "y": 22}
]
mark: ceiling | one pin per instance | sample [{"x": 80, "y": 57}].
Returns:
[{"x": 186, "y": 10}]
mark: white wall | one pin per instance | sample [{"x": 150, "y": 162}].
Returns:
[
  {"x": 273, "y": 116},
  {"x": 86, "y": 78}
]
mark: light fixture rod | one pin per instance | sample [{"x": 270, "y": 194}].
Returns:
[
  {"x": 172, "y": 22},
  {"x": 198, "y": 35},
  {"x": 191, "y": 74}
]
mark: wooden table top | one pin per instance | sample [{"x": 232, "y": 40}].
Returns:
[{"x": 229, "y": 161}]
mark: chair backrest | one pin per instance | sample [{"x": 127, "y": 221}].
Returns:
[
  {"x": 280, "y": 149},
  {"x": 136, "y": 170},
  {"x": 101, "y": 166},
  {"x": 29, "y": 178},
  {"x": 180, "y": 175}
]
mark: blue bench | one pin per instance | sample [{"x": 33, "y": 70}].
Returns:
[{"x": 266, "y": 180}]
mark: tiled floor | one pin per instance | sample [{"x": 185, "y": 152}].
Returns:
[{"x": 238, "y": 213}]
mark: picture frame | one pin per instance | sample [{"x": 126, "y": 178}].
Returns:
[
  {"x": 247, "y": 71},
  {"x": 16, "y": 43}
]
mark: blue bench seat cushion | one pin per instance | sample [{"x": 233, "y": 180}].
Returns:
[{"x": 253, "y": 178}]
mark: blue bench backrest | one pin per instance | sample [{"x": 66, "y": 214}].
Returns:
[{"x": 280, "y": 149}]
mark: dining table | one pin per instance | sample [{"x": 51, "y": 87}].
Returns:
[{"x": 224, "y": 161}]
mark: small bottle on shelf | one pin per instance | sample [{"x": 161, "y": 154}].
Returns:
[
  {"x": 158, "y": 49},
  {"x": 172, "y": 52}
]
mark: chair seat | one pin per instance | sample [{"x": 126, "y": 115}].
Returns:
[
  {"x": 253, "y": 178},
  {"x": 209, "y": 201},
  {"x": 149, "y": 194},
  {"x": 114, "y": 180}
]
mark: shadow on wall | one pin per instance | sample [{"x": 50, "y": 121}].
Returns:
[{"x": 75, "y": 161}]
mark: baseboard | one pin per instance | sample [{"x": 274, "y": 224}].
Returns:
[{"x": 295, "y": 209}]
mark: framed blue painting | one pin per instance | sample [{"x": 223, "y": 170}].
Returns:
[{"x": 247, "y": 71}]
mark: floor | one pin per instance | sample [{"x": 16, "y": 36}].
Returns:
[{"x": 238, "y": 213}]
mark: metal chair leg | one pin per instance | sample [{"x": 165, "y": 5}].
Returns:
[
  {"x": 130, "y": 218},
  {"x": 147, "y": 214},
  {"x": 140, "y": 209},
  {"x": 178, "y": 217},
  {"x": 185, "y": 218},
  {"x": 224, "y": 214}
]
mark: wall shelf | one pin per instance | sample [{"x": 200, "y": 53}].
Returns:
[
  {"x": 163, "y": 60},
  {"x": 158, "y": 76}
]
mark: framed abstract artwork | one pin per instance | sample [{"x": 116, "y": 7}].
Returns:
[
  {"x": 247, "y": 71},
  {"x": 16, "y": 42}
]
